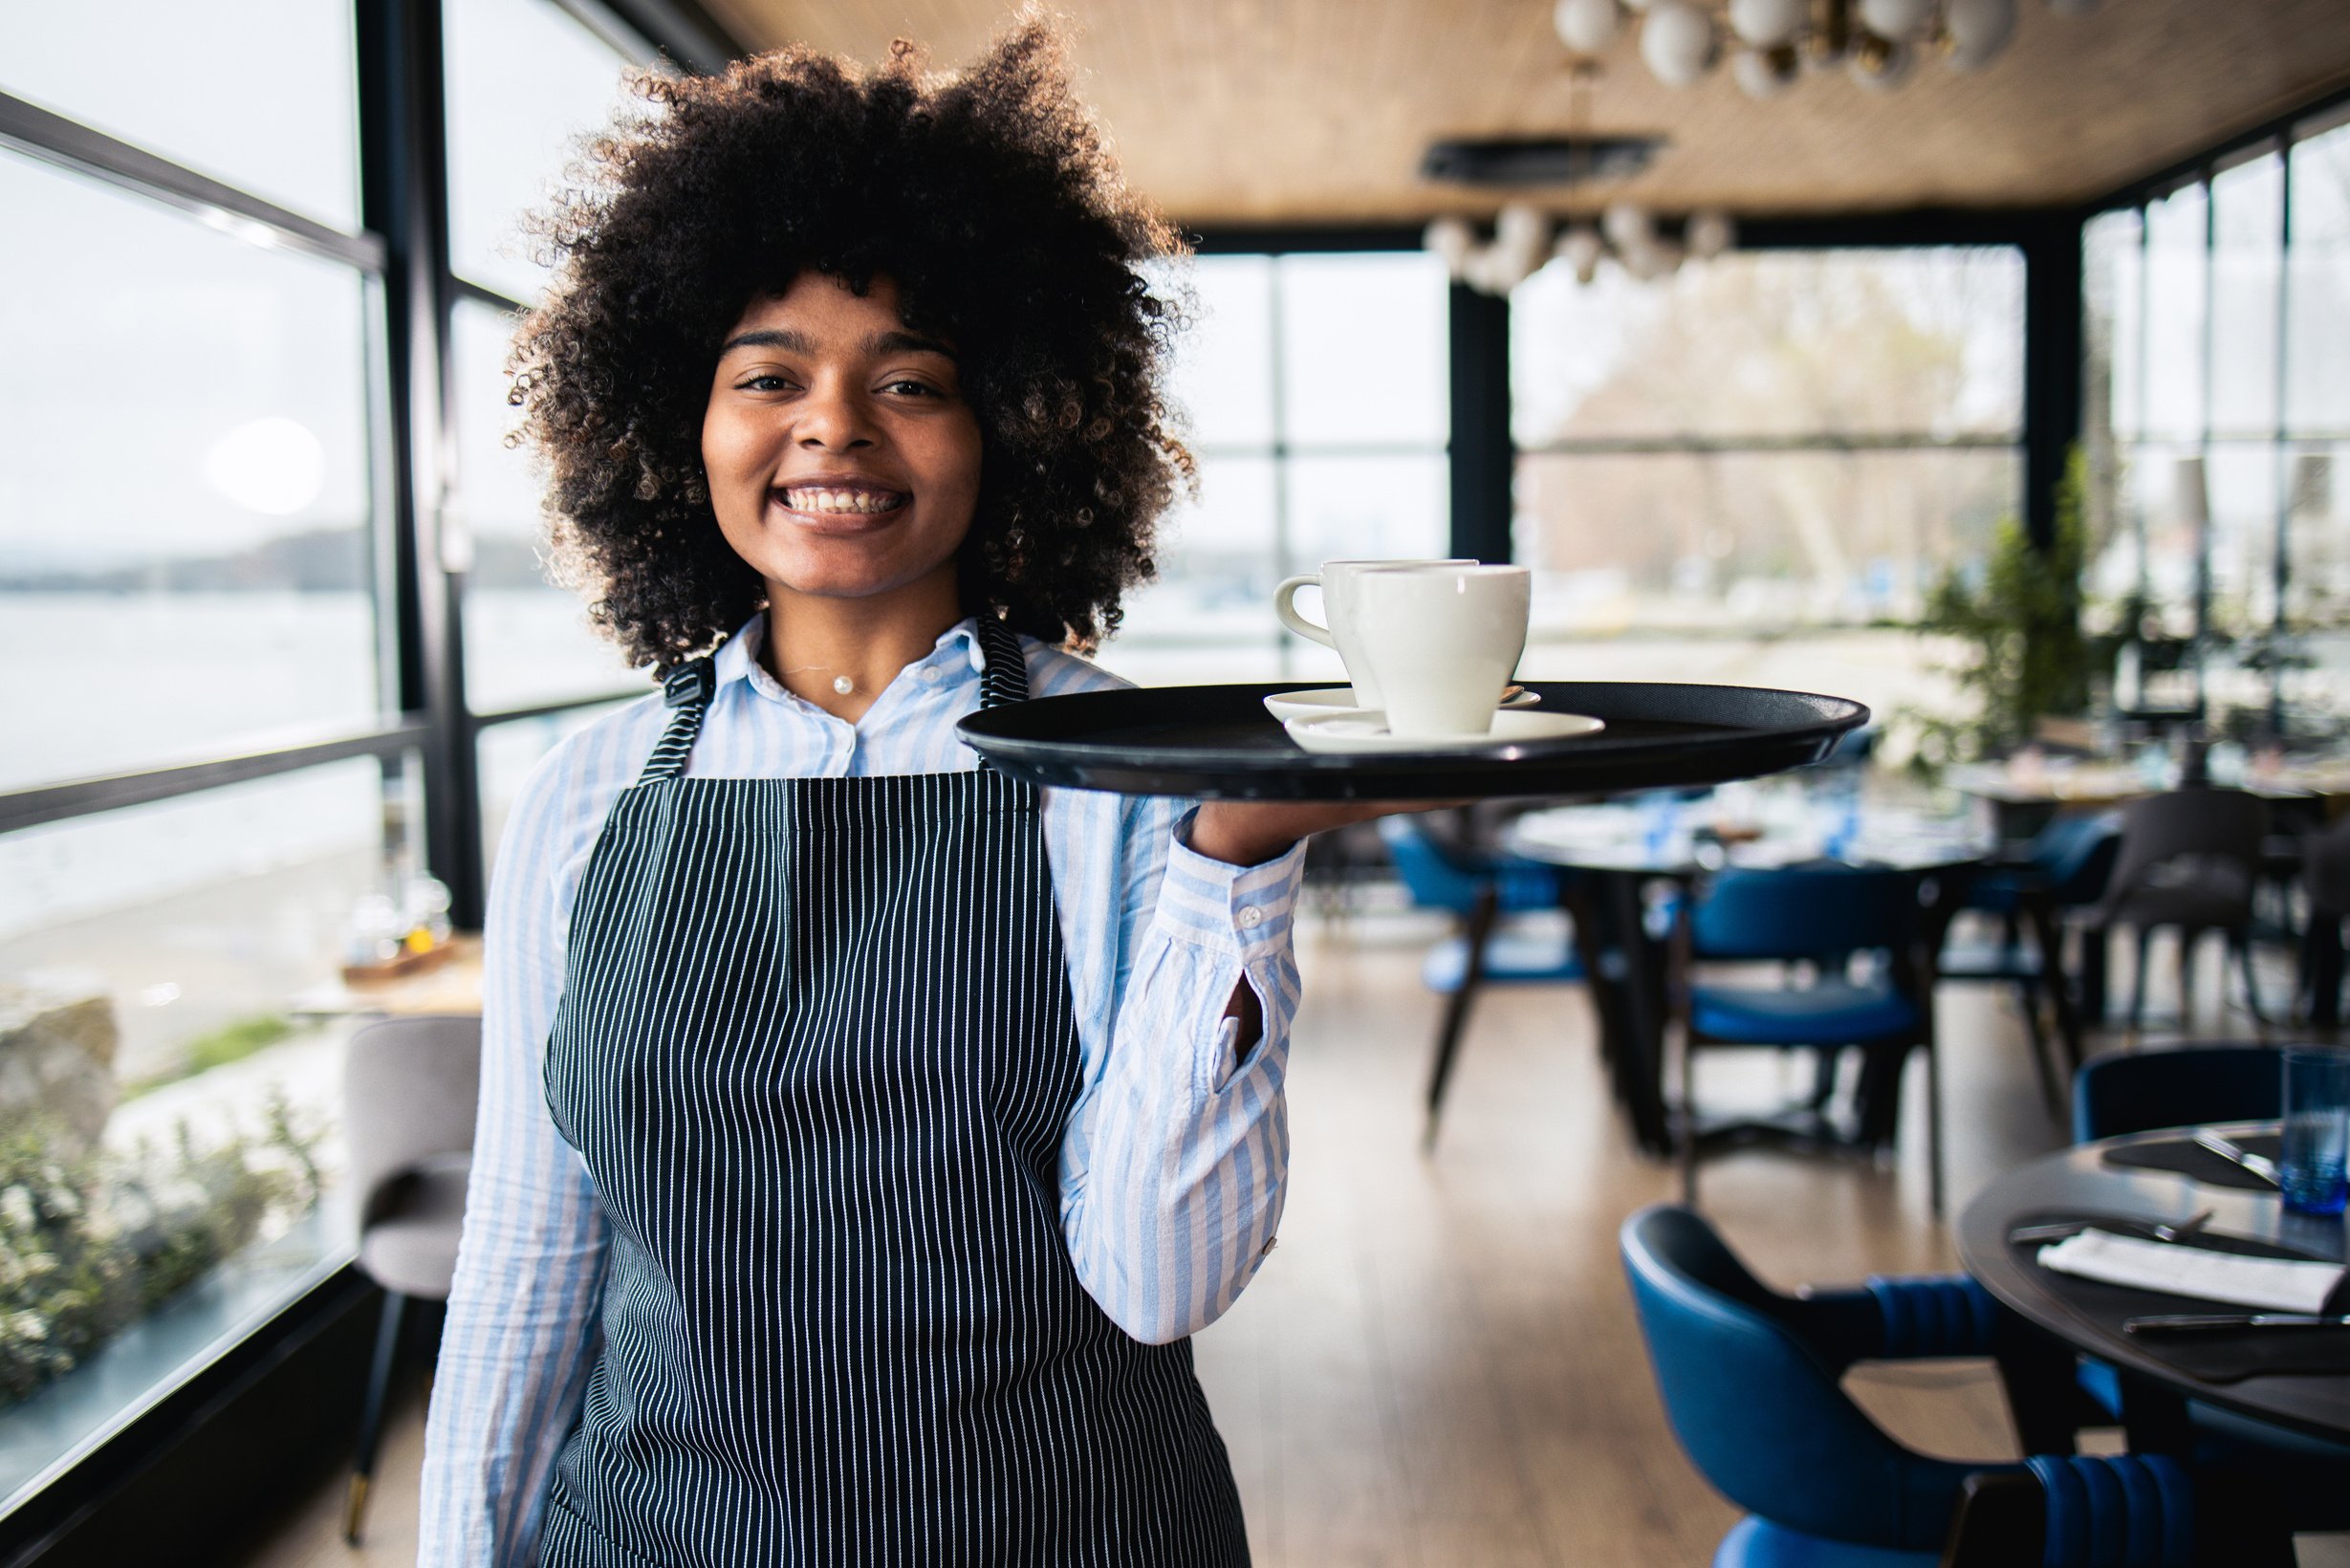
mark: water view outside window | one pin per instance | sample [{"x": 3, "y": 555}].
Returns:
[
  {"x": 183, "y": 486},
  {"x": 1314, "y": 391},
  {"x": 527, "y": 640},
  {"x": 1755, "y": 470},
  {"x": 2217, "y": 420}
]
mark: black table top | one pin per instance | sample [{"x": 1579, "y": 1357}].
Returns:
[{"x": 2079, "y": 1181}]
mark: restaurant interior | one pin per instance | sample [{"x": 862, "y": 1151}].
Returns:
[{"x": 1802, "y": 1168}]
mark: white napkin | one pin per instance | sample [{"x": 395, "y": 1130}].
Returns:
[{"x": 2279, "y": 1284}]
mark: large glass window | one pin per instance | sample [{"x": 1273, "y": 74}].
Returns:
[
  {"x": 524, "y": 82},
  {"x": 1317, "y": 438},
  {"x": 1766, "y": 443},
  {"x": 268, "y": 105},
  {"x": 527, "y": 640},
  {"x": 167, "y": 979},
  {"x": 2227, "y": 534},
  {"x": 184, "y": 555}
]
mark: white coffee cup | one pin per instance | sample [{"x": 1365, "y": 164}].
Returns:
[
  {"x": 1443, "y": 642},
  {"x": 1336, "y": 579}
]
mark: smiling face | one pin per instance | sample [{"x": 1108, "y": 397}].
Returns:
[{"x": 843, "y": 461}]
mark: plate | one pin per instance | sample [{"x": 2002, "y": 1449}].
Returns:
[
  {"x": 1357, "y": 732},
  {"x": 1286, "y": 705},
  {"x": 1217, "y": 742}
]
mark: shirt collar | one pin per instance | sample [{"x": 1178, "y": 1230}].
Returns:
[{"x": 957, "y": 649}]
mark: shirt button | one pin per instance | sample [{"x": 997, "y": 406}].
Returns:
[
  {"x": 1270, "y": 1242},
  {"x": 931, "y": 675},
  {"x": 1250, "y": 919}
]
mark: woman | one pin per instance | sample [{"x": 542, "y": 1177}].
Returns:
[{"x": 862, "y": 1134}]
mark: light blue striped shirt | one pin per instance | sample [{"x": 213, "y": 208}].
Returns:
[{"x": 1175, "y": 1158}]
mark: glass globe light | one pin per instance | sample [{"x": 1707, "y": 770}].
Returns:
[
  {"x": 1764, "y": 73},
  {"x": 1979, "y": 29},
  {"x": 1766, "y": 24},
  {"x": 1587, "y": 27},
  {"x": 1895, "y": 19},
  {"x": 1677, "y": 41}
]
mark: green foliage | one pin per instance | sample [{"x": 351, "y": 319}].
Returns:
[
  {"x": 232, "y": 1041},
  {"x": 89, "y": 1244},
  {"x": 2021, "y": 622}
]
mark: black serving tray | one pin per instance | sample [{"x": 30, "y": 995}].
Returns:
[{"x": 1218, "y": 742}]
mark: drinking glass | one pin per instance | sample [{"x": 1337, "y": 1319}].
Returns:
[{"x": 2317, "y": 1153}]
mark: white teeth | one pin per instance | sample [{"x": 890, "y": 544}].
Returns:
[{"x": 816, "y": 498}]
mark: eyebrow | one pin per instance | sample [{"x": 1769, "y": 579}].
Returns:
[{"x": 879, "y": 344}]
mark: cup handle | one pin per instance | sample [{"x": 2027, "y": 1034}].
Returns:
[{"x": 1283, "y": 606}]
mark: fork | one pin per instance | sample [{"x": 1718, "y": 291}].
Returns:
[{"x": 2059, "y": 1230}]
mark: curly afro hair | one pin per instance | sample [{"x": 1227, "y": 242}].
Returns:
[{"x": 986, "y": 196}]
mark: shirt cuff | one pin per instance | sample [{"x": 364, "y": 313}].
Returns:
[{"x": 1240, "y": 909}]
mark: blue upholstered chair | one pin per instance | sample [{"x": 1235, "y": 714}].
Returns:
[
  {"x": 2144, "y": 1091},
  {"x": 1749, "y": 1380},
  {"x": 1479, "y": 891},
  {"x": 2140, "y": 1091},
  {"x": 2065, "y": 868},
  {"x": 1819, "y": 919}
]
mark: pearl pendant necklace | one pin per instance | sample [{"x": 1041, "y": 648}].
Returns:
[{"x": 843, "y": 684}]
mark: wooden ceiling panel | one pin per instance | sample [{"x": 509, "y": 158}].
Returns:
[{"x": 1318, "y": 111}]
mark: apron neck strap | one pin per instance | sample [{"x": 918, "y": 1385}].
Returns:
[
  {"x": 688, "y": 690},
  {"x": 1005, "y": 677}
]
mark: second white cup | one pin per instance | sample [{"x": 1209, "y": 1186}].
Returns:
[
  {"x": 1337, "y": 581},
  {"x": 1442, "y": 642}
]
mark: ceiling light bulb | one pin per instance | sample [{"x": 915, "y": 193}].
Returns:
[
  {"x": 1677, "y": 41},
  {"x": 1580, "y": 249},
  {"x": 1450, "y": 239},
  {"x": 1979, "y": 29},
  {"x": 1764, "y": 73},
  {"x": 1521, "y": 230},
  {"x": 1710, "y": 233},
  {"x": 1626, "y": 226},
  {"x": 1895, "y": 19},
  {"x": 1766, "y": 24},
  {"x": 1587, "y": 27}
]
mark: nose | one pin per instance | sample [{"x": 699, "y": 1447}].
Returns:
[{"x": 834, "y": 417}]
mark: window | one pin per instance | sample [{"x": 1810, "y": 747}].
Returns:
[
  {"x": 2219, "y": 405},
  {"x": 525, "y": 80},
  {"x": 1316, "y": 440},
  {"x": 1768, "y": 443},
  {"x": 268, "y": 105},
  {"x": 185, "y": 552},
  {"x": 527, "y": 640},
  {"x": 212, "y": 795},
  {"x": 161, "y": 968}
]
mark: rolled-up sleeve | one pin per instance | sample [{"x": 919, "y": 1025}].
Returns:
[
  {"x": 1177, "y": 1161},
  {"x": 522, "y": 1314}
]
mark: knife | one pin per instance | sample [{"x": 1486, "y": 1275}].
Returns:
[
  {"x": 2260, "y": 1164},
  {"x": 2192, "y": 1322}
]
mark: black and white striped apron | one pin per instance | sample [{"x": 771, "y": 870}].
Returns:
[{"x": 815, "y": 1049}]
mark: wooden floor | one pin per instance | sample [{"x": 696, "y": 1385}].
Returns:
[{"x": 1439, "y": 1364}]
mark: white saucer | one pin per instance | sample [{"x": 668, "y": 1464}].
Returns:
[
  {"x": 1359, "y": 731},
  {"x": 1317, "y": 701}
]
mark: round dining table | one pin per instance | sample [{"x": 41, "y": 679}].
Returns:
[
  {"x": 1616, "y": 851},
  {"x": 2085, "y": 1181}
]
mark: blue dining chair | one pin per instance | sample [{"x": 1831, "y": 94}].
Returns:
[
  {"x": 1479, "y": 891},
  {"x": 1819, "y": 919},
  {"x": 2142, "y": 1091},
  {"x": 1749, "y": 1380},
  {"x": 2064, "y": 868},
  {"x": 2145, "y": 1091}
]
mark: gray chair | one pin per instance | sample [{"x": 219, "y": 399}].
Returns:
[
  {"x": 2188, "y": 860},
  {"x": 409, "y": 1088}
]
